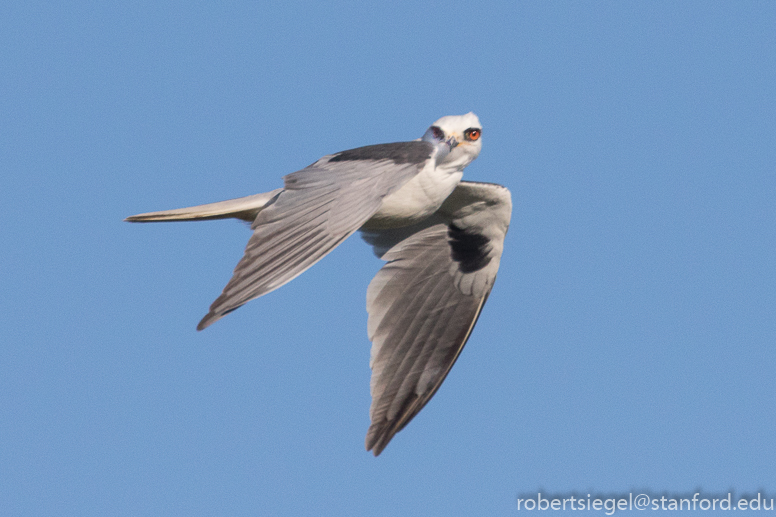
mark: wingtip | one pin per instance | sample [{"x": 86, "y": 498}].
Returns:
[
  {"x": 208, "y": 320},
  {"x": 215, "y": 315},
  {"x": 377, "y": 439},
  {"x": 142, "y": 218},
  {"x": 375, "y": 448}
]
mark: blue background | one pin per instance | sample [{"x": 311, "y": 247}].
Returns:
[{"x": 628, "y": 343}]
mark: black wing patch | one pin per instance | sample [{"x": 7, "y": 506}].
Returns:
[
  {"x": 468, "y": 248},
  {"x": 399, "y": 152}
]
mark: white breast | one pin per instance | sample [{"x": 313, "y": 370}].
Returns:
[{"x": 418, "y": 198}]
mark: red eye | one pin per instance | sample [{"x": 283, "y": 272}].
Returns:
[{"x": 472, "y": 134}]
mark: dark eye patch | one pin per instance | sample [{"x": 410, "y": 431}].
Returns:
[{"x": 472, "y": 134}]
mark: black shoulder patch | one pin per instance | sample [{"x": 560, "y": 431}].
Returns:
[
  {"x": 400, "y": 152},
  {"x": 468, "y": 248}
]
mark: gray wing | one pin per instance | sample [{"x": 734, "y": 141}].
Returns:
[
  {"x": 424, "y": 302},
  {"x": 245, "y": 208},
  {"x": 319, "y": 207}
]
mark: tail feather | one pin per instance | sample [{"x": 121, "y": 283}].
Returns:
[{"x": 245, "y": 208}]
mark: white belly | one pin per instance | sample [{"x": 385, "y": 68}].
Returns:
[{"x": 417, "y": 199}]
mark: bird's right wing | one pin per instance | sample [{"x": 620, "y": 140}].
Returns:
[
  {"x": 245, "y": 208},
  {"x": 319, "y": 207},
  {"x": 424, "y": 302}
]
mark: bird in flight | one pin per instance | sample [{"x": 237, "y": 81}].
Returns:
[{"x": 441, "y": 239}]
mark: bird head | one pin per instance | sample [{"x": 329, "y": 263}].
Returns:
[{"x": 457, "y": 138}]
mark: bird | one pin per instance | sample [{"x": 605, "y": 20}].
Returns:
[{"x": 440, "y": 236}]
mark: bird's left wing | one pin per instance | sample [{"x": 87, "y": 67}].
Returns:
[
  {"x": 424, "y": 302},
  {"x": 319, "y": 207}
]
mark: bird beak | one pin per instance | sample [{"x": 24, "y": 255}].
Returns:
[{"x": 452, "y": 142}]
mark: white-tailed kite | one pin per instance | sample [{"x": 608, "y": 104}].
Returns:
[{"x": 441, "y": 237}]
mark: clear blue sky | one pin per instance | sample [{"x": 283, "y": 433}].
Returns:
[{"x": 629, "y": 343}]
